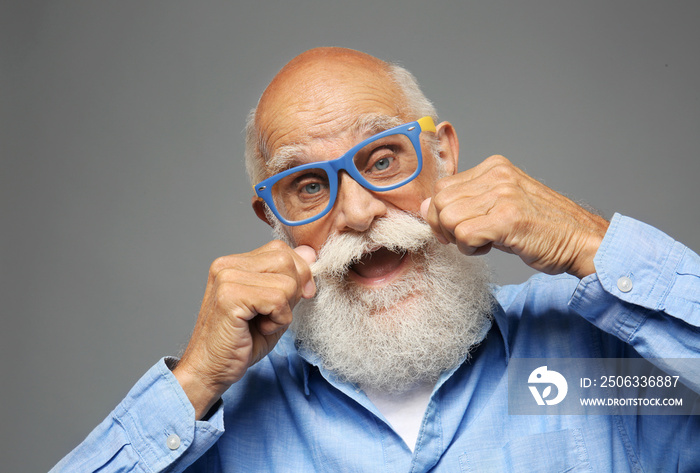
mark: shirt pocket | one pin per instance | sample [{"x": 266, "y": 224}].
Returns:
[{"x": 551, "y": 452}]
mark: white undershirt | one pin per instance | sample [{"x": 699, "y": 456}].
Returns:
[{"x": 403, "y": 411}]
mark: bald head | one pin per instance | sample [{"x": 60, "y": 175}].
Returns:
[
  {"x": 325, "y": 88},
  {"x": 322, "y": 92},
  {"x": 314, "y": 73}
]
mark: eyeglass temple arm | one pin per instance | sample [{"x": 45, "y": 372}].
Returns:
[
  {"x": 257, "y": 197},
  {"x": 426, "y": 124}
]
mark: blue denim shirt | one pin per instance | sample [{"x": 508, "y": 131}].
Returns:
[{"x": 289, "y": 414}]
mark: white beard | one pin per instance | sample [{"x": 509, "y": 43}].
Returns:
[{"x": 410, "y": 331}]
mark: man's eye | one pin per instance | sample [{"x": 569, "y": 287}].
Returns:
[
  {"x": 383, "y": 163},
  {"x": 312, "y": 188}
]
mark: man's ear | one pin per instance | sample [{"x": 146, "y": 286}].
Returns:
[
  {"x": 448, "y": 145},
  {"x": 259, "y": 208}
]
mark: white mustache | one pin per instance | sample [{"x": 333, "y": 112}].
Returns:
[{"x": 397, "y": 231}]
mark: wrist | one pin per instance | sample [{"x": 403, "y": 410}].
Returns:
[
  {"x": 202, "y": 396},
  {"x": 583, "y": 265}
]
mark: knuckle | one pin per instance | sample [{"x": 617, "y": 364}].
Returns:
[
  {"x": 277, "y": 245},
  {"x": 498, "y": 159},
  {"x": 441, "y": 185},
  {"x": 447, "y": 182},
  {"x": 224, "y": 276},
  {"x": 223, "y": 296},
  {"x": 288, "y": 286},
  {"x": 506, "y": 191},
  {"x": 504, "y": 171},
  {"x": 508, "y": 214},
  {"x": 217, "y": 265},
  {"x": 284, "y": 261},
  {"x": 222, "y": 265},
  {"x": 450, "y": 219},
  {"x": 441, "y": 200},
  {"x": 462, "y": 233},
  {"x": 277, "y": 299}
]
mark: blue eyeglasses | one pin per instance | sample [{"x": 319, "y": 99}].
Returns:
[{"x": 385, "y": 161}]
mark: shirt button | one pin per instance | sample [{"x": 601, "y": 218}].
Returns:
[
  {"x": 624, "y": 284},
  {"x": 173, "y": 442}
]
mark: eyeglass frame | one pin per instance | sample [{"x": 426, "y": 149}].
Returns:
[{"x": 412, "y": 130}]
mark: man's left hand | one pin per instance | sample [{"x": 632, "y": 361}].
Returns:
[{"x": 496, "y": 205}]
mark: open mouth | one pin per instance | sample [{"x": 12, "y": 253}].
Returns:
[{"x": 378, "y": 267}]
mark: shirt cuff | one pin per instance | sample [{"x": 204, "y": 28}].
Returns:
[
  {"x": 641, "y": 265},
  {"x": 160, "y": 422}
]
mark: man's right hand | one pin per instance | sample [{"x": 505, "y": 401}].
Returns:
[{"x": 247, "y": 307}]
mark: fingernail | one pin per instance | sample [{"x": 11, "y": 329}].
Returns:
[
  {"x": 309, "y": 289},
  {"x": 306, "y": 252}
]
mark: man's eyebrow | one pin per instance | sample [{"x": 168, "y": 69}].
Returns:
[
  {"x": 289, "y": 156},
  {"x": 371, "y": 124},
  {"x": 286, "y": 157}
]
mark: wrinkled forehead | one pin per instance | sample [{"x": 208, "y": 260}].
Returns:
[{"x": 331, "y": 145}]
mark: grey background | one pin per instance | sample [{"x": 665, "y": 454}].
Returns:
[{"x": 121, "y": 156}]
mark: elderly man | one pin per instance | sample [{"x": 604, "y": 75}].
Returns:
[{"x": 396, "y": 357}]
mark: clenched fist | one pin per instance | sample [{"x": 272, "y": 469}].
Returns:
[
  {"x": 496, "y": 205},
  {"x": 247, "y": 307}
]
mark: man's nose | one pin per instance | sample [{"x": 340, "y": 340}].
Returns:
[{"x": 355, "y": 207}]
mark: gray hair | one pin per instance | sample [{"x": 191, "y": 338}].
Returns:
[{"x": 257, "y": 154}]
